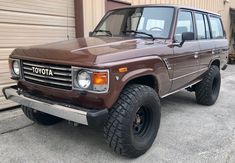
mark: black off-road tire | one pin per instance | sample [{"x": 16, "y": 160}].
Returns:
[
  {"x": 40, "y": 117},
  {"x": 133, "y": 122},
  {"x": 207, "y": 91}
]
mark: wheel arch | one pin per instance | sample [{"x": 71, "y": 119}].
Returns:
[
  {"x": 215, "y": 62},
  {"x": 148, "y": 80}
]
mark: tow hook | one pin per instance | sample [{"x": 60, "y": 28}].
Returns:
[
  {"x": 224, "y": 67},
  {"x": 74, "y": 124},
  {"x": 19, "y": 91}
]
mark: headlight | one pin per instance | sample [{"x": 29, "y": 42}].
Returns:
[
  {"x": 90, "y": 80},
  {"x": 84, "y": 79},
  {"x": 16, "y": 67}
]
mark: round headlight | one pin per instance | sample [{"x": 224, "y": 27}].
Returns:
[
  {"x": 84, "y": 79},
  {"x": 16, "y": 67}
]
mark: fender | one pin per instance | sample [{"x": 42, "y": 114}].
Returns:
[
  {"x": 144, "y": 66},
  {"x": 137, "y": 73}
]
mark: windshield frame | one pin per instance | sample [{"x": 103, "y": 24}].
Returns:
[{"x": 126, "y": 8}]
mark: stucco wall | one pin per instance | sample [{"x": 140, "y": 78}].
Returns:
[{"x": 93, "y": 12}]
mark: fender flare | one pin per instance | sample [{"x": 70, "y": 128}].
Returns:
[
  {"x": 157, "y": 69},
  {"x": 214, "y": 59}
]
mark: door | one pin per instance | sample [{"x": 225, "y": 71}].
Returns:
[
  {"x": 232, "y": 34},
  {"x": 218, "y": 35},
  {"x": 206, "y": 44},
  {"x": 186, "y": 58}
]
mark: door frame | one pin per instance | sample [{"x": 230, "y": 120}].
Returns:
[
  {"x": 79, "y": 19},
  {"x": 112, "y": 4},
  {"x": 232, "y": 32}
]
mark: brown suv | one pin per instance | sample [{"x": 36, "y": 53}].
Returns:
[{"x": 116, "y": 77}]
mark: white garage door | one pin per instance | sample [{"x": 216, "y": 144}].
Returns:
[{"x": 31, "y": 22}]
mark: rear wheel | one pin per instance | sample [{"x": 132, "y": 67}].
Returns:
[
  {"x": 40, "y": 117},
  {"x": 207, "y": 91},
  {"x": 133, "y": 122}
]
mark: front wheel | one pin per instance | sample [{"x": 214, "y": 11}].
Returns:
[
  {"x": 133, "y": 122},
  {"x": 207, "y": 91}
]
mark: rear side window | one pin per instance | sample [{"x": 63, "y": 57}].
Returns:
[
  {"x": 216, "y": 27},
  {"x": 184, "y": 24},
  {"x": 200, "y": 24},
  {"x": 207, "y": 27}
]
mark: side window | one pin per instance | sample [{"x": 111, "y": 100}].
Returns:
[
  {"x": 184, "y": 24},
  {"x": 201, "y": 30},
  {"x": 216, "y": 27},
  {"x": 154, "y": 24},
  {"x": 141, "y": 24},
  {"x": 108, "y": 25},
  {"x": 208, "y": 35}
]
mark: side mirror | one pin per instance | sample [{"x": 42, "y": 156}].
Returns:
[
  {"x": 187, "y": 36},
  {"x": 90, "y": 34}
]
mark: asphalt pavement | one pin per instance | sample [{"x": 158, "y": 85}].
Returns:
[{"x": 189, "y": 133}]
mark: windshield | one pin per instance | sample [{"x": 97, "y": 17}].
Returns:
[{"x": 140, "y": 22}]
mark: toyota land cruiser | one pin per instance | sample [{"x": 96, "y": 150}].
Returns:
[{"x": 117, "y": 76}]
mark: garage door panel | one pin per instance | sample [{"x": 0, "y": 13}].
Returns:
[
  {"x": 36, "y": 19},
  {"x": 5, "y": 78},
  {"x": 29, "y": 42},
  {"x": 32, "y": 30},
  {"x": 31, "y": 22},
  {"x": 13, "y": 35},
  {"x": 4, "y": 67},
  {"x": 5, "y": 52},
  {"x": 50, "y": 7}
]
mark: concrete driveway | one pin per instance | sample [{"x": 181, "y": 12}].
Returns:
[{"x": 188, "y": 133}]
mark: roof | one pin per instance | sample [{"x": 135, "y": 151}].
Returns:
[{"x": 170, "y": 5}]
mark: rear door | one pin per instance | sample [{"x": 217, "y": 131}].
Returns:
[
  {"x": 206, "y": 44},
  {"x": 218, "y": 34},
  {"x": 185, "y": 59}
]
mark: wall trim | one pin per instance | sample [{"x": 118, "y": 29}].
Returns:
[
  {"x": 117, "y": 2},
  {"x": 79, "y": 20},
  {"x": 120, "y": 1}
]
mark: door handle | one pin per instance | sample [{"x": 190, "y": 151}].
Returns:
[
  {"x": 213, "y": 51},
  {"x": 196, "y": 55}
]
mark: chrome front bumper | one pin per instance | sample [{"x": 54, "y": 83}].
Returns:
[{"x": 78, "y": 114}]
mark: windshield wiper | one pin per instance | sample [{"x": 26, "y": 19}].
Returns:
[
  {"x": 105, "y": 31},
  {"x": 137, "y": 32}
]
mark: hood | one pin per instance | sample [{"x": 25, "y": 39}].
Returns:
[{"x": 83, "y": 51}]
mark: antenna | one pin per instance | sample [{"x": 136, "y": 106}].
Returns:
[{"x": 67, "y": 19}]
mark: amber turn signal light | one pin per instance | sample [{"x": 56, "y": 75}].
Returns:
[
  {"x": 100, "y": 78},
  {"x": 123, "y": 69}
]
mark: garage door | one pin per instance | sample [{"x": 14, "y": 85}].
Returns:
[{"x": 31, "y": 22}]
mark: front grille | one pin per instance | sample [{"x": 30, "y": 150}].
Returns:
[{"x": 59, "y": 76}]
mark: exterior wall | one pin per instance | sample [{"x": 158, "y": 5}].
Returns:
[
  {"x": 31, "y": 22},
  {"x": 113, "y": 4},
  {"x": 93, "y": 11}
]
